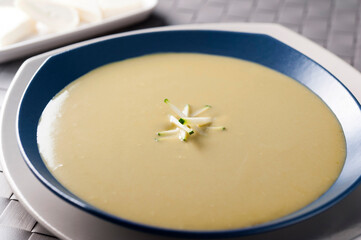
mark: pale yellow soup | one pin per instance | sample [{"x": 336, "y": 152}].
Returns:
[{"x": 281, "y": 150}]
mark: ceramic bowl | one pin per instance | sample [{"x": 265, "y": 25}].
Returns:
[{"x": 61, "y": 69}]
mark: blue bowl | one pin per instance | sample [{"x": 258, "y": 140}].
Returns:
[{"x": 61, "y": 69}]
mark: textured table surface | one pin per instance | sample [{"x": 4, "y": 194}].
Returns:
[{"x": 334, "y": 24}]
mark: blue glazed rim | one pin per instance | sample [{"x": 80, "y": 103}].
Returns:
[{"x": 257, "y": 48}]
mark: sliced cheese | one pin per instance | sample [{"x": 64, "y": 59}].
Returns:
[
  {"x": 88, "y": 10},
  {"x": 15, "y": 25},
  {"x": 112, "y": 8},
  {"x": 55, "y": 16}
]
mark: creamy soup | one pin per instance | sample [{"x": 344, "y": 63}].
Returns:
[{"x": 281, "y": 148}]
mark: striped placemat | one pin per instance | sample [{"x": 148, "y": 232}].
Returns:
[{"x": 334, "y": 24}]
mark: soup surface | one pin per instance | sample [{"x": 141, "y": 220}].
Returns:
[{"x": 282, "y": 148}]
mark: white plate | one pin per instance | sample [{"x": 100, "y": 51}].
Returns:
[
  {"x": 44, "y": 42},
  {"x": 342, "y": 221}
]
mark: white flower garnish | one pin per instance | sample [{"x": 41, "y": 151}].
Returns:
[{"x": 187, "y": 124}]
